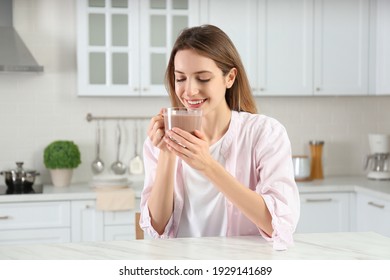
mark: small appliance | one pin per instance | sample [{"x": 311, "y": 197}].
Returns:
[{"x": 378, "y": 161}]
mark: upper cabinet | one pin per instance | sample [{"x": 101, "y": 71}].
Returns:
[
  {"x": 302, "y": 47},
  {"x": 285, "y": 48},
  {"x": 124, "y": 45},
  {"x": 341, "y": 44},
  {"x": 380, "y": 68},
  {"x": 289, "y": 48}
]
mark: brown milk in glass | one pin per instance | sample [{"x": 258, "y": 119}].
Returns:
[{"x": 186, "y": 120}]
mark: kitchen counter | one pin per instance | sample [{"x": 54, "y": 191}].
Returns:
[
  {"x": 76, "y": 191},
  {"x": 79, "y": 191},
  {"x": 319, "y": 246},
  {"x": 380, "y": 189}
]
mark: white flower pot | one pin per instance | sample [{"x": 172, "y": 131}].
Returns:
[{"x": 61, "y": 177}]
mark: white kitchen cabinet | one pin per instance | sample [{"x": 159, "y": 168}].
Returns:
[
  {"x": 119, "y": 225},
  {"x": 241, "y": 28},
  {"x": 87, "y": 222},
  {"x": 34, "y": 222},
  {"x": 303, "y": 47},
  {"x": 373, "y": 214},
  {"x": 380, "y": 69},
  {"x": 124, "y": 45},
  {"x": 285, "y": 48},
  {"x": 341, "y": 47},
  {"x": 325, "y": 212},
  {"x": 91, "y": 224}
]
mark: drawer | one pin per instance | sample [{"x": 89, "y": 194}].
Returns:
[
  {"x": 34, "y": 215},
  {"x": 34, "y": 236},
  {"x": 115, "y": 233},
  {"x": 119, "y": 217}
]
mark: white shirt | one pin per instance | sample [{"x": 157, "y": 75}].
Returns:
[{"x": 204, "y": 210}]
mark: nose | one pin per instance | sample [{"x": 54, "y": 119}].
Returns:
[{"x": 191, "y": 88}]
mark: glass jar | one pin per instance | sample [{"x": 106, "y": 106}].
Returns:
[{"x": 316, "y": 159}]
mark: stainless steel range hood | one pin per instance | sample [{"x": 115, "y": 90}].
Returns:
[{"x": 14, "y": 54}]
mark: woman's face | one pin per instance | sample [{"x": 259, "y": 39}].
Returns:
[{"x": 199, "y": 83}]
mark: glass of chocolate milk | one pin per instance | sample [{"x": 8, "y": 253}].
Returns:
[{"x": 184, "y": 118}]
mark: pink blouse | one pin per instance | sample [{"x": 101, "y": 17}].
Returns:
[{"x": 258, "y": 154}]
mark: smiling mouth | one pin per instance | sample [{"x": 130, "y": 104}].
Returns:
[{"x": 196, "y": 102}]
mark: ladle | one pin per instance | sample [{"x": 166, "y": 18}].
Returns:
[
  {"x": 97, "y": 165},
  {"x": 118, "y": 167}
]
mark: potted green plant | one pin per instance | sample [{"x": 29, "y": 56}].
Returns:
[{"x": 61, "y": 157}]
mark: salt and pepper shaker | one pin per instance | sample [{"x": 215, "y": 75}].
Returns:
[{"x": 316, "y": 159}]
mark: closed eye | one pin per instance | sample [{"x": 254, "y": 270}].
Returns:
[{"x": 179, "y": 80}]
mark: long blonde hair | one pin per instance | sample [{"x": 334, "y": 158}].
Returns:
[{"x": 212, "y": 42}]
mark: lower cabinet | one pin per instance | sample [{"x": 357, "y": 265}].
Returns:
[
  {"x": 373, "y": 214},
  {"x": 91, "y": 224},
  {"x": 119, "y": 225},
  {"x": 325, "y": 212},
  {"x": 87, "y": 223},
  {"x": 63, "y": 221},
  {"x": 35, "y": 222}
]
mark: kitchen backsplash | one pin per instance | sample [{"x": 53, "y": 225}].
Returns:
[{"x": 39, "y": 108}]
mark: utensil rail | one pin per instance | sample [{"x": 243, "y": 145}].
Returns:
[{"x": 90, "y": 117}]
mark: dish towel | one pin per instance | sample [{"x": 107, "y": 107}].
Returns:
[{"x": 115, "y": 200}]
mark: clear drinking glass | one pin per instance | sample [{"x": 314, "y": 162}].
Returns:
[{"x": 184, "y": 118}]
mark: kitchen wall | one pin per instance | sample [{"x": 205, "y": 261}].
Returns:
[{"x": 36, "y": 109}]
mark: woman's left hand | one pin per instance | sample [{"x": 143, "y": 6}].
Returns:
[{"x": 194, "y": 150}]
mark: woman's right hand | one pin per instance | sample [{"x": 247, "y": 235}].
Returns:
[{"x": 156, "y": 131}]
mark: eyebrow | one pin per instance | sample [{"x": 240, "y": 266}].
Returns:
[{"x": 199, "y": 72}]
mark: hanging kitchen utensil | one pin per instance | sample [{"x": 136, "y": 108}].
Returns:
[
  {"x": 98, "y": 164},
  {"x": 118, "y": 167},
  {"x": 136, "y": 163}
]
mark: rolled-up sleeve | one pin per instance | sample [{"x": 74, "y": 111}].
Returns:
[{"x": 277, "y": 185}]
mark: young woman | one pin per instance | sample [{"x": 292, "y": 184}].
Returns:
[{"x": 234, "y": 176}]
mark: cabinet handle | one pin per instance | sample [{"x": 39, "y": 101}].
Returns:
[
  {"x": 145, "y": 89},
  {"x": 318, "y": 89},
  {"x": 376, "y": 205},
  {"x": 318, "y": 200},
  {"x": 135, "y": 89},
  {"x": 262, "y": 89},
  {"x": 89, "y": 206},
  {"x": 4, "y": 217}
]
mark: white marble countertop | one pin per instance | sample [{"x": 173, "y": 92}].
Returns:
[
  {"x": 79, "y": 191},
  {"x": 318, "y": 246}
]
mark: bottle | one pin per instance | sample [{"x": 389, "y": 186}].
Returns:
[{"x": 316, "y": 159}]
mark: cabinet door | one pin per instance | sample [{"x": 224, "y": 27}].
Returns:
[
  {"x": 341, "y": 47},
  {"x": 108, "y": 48},
  {"x": 87, "y": 222},
  {"x": 325, "y": 212},
  {"x": 241, "y": 28},
  {"x": 381, "y": 79},
  {"x": 285, "y": 47},
  {"x": 160, "y": 23},
  {"x": 373, "y": 214}
]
